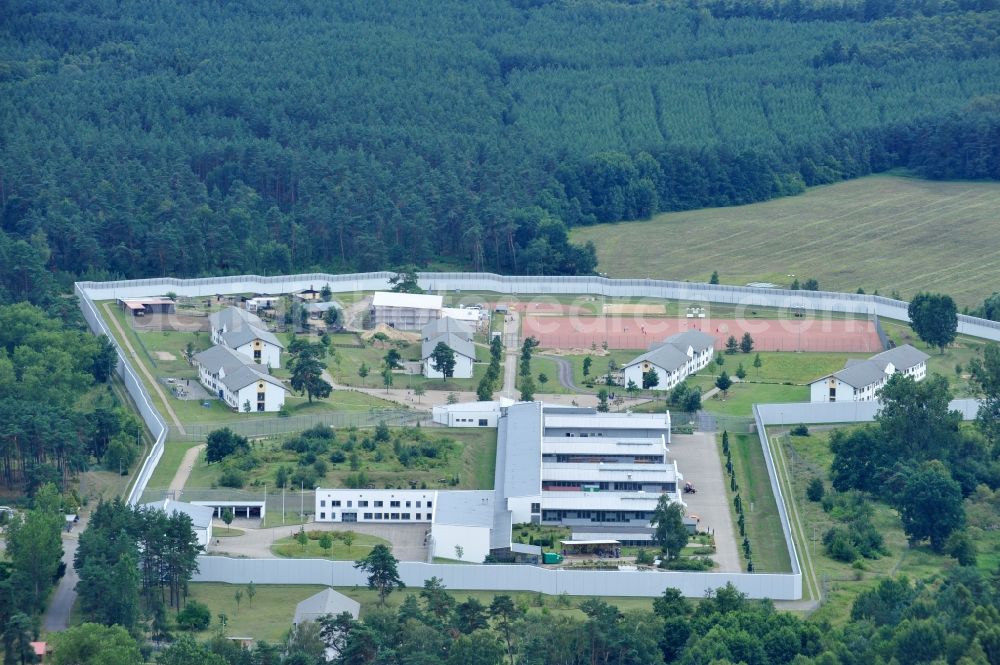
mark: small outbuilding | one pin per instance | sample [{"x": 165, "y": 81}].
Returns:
[
  {"x": 201, "y": 516},
  {"x": 144, "y": 306}
]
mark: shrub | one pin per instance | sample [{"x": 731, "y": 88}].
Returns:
[
  {"x": 195, "y": 616},
  {"x": 697, "y": 563},
  {"x": 838, "y": 545},
  {"x": 799, "y": 430},
  {"x": 644, "y": 557},
  {"x": 815, "y": 491},
  {"x": 233, "y": 477},
  {"x": 338, "y": 457}
]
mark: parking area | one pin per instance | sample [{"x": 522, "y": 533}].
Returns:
[{"x": 698, "y": 461}]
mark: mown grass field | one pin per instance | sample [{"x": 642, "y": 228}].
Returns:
[
  {"x": 361, "y": 546},
  {"x": 882, "y": 232},
  {"x": 760, "y": 512},
  {"x": 268, "y": 619}
]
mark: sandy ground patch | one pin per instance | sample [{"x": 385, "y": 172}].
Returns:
[
  {"x": 599, "y": 352},
  {"x": 626, "y": 308},
  {"x": 164, "y": 355},
  {"x": 391, "y": 333}
]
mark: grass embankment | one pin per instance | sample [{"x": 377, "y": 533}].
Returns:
[
  {"x": 760, "y": 511},
  {"x": 881, "y": 232}
]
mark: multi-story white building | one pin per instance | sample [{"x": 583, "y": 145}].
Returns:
[
  {"x": 245, "y": 332},
  {"x": 555, "y": 465},
  {"x": 237, "y": 380},
  {"x": 674, "y": 360},
  {"x": 861, "y": 380},
  {"x": 452, "y": 517}
]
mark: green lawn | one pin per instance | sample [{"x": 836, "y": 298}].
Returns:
[
  {"x": 359, "y": 549},
  {"x": 742, "y": 396},
  {"x": 274, "y": 605},
  {"x": 472, "y": 460},
  {"x": 881, "y": 232},
  {"x": 270, "y": 617},
  {"x": 760, "y": 511},
  {"x": 344, "y": 366},
  {"x": 173, "y": 453}
]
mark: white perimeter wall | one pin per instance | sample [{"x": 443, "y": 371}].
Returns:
[{"x": 499, "y": 578}]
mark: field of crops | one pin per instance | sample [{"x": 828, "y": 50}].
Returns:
[{"x": 882, "y": 232}]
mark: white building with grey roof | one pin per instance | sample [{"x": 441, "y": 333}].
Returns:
[
  {"x": 464, "y": 350},
  {"x": 245, "y": 332},
  {"x": 861, "y": 380},
  {"x": 238, "y": 381},
  {"x": 673, "y": 360}
]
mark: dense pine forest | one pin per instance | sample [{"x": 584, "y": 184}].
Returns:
[{"x": 146, "y": 139}]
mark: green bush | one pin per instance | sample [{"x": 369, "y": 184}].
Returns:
[
  {"x": 815, "y": 490},
  {"x": 696, "y": 563},
  {"x": 233, "y": 477},
  {"x": 195, "y": 616},
  {"x": 799, "y": 430}
]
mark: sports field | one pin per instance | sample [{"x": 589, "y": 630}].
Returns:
[
  {"x": 639, "y": 332},
  {"x": 881, "y": 232}
]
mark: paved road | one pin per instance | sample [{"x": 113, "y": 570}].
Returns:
[
  {"x": 511, "y": 330},
  {"x": 153, "y": 383},
  {"x": 57, "y": 616},
  {"x": 698, "y": 460},
  {"x": 407, "y": 539},
  {"x": 565, "y": 368}
]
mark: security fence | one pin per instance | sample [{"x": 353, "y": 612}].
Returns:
[
  {"x": 273, "y": 426},
  {"x": 776, "y": 586}
]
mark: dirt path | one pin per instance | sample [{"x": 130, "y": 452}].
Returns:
[
  {"x": 142, "y": 368},
  {"x": 184, "y": 470}
]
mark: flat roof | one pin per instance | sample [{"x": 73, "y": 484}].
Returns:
[
  {"x": 574, "y": 445},
  {"x": 609, "y": 472},
  {"x": 465, "y": 508},
  {"x": 599, "y": 500},
  {"x": 519, "y": 436},
  {"x": 607, "y": 421},
  {"x": 410, "y": 300},
  {"x": 589, "y": 542}
]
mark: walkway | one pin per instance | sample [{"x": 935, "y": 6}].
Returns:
[
  {"x": 136, "y": 362},
  {"x": 698, "y": 459},
  {"x": 58, "y": 613},
  {"x": 565, "y": 369},
  {"x": 511, "y": 333}
]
